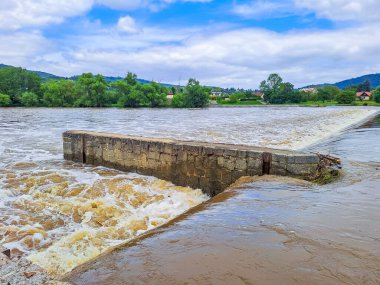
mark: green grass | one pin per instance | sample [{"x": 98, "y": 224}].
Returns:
[
  {"x": 318, "y": 103},
  {"x": 363, "y": 103},
  {"x": 241, "y": 103}
]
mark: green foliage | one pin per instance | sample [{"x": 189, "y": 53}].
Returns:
[
  {"x": 178, "y": 101},
  {"x": 195, "y": 95},
  {"x": 346, "y": 97},
  {"x": 155, "y": 94},
  {"x": 352, "y": 88},
  {"x": 271, "y": 86},
  {"x": 376, "y": 95},
  {"x": 15, "y": 81},
  {"x": 327, "y": 93},
  {"x": 278, "y": 92},
  {"x": 131, "y": 79},
  {"x": 5, "y": 100},
  {"x": 92, "y": 90},
  {"x": 364, "y": 87},
  {"x": 29, "y": 99},
  {"x": 59, "y": 93}
]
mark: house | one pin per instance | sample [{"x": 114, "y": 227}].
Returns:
[
  {"x": 363, "y": 96},
  {"x": 216, "y": 93},
  {"x": 310, "y": 90},
  {"x": 170, "y": 95},
  {"x": 259, "y": 94}
]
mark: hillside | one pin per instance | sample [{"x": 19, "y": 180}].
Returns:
[
  {"x": 374, "y": 79},
  {"x": 45, "y": 76}
]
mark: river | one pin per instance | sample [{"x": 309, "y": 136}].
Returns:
[
  {"x": 60, "y": 214},
  {"x": 268, "y": 231}
]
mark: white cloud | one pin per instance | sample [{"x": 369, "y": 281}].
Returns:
[
  {"x": 149, "y": 4},
  {"x": 357, "y": 10},
  {"x": 240, "y": 58},
  {"x": 263, "y": 9},
  {"x": 16, "y": 14},
  {"x": 21, "y": 48},
  {"x": 215, "y": 55},
  {"x": 127, "y": 25}
]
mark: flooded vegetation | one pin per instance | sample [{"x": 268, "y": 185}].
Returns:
[{"x": 60, "y": 214}]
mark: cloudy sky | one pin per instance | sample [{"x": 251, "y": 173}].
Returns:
[{"x": 220, "y": 42}]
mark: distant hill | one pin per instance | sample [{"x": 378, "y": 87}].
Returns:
[
  {"x": 374, "y": 79},
  {"x": 45, "y": 76}
]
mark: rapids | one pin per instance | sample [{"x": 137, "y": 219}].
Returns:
[{"x": 60, "y": 214}]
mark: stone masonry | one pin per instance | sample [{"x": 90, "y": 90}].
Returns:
[{"x": 208, "y": 166}]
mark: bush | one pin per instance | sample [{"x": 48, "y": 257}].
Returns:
[
  {"x": 178, "y": 101},
  {"x": 346, "y": 97},
  {"x": 5, "y": 100},
  {"x": 195, "y": 95},
  {"x": 376, "y": 95},
  {"x": 29, "y": 99}
]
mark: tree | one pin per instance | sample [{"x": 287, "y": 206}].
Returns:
[
  {"x": 15, "y": 81},
  {"x": 29, "y": 99},
  {"x": 155, "y": 94},
  {"x": 328, "y": 93},
  {"x": 5, "y": 100},
  {"x": 376, "y": 95},
  {"x": 133, "y": 99},
  {"x": 346, "y": 97},
  {"x": 131, "y": 78},
  {"x": 59, "y": 93},
  {"x": 178, "y": 101},
  {"x": 195, "y": 95},
  {"x": 270, "y": 86},
  {"x": 365, "y": 86},
  {"x": 92, "y": 90}
]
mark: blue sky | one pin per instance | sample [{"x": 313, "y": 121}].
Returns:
[{"x": 222, "y": 43}]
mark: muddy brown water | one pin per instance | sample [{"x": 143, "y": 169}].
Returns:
[{"x": 267, "y": 231}]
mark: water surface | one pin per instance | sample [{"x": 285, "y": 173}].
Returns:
[
  {"x": 268, "y": 231},
  {"x": 60, "y": 214}
]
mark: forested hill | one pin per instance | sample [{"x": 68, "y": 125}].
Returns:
[
  {"x": 374, "y": 79},
  {"x": 45, "y": 76}
]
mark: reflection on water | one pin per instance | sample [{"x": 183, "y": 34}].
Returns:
[{"x": 275, "y": 231}]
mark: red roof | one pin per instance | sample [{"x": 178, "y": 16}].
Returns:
[{"x": 359, "y": 94}]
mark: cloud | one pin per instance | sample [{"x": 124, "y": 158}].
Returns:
[
  {"x": 20, "y": 48},
  {"x": 240, "y": 57},
  {"x": 17, "y": 14},
  {"x": 153, "y": 5},
  {"x": 341, "y": 10},
  {"x": 216, "y": 55},
  {"x": 127, "y": 25},
  {"x": 263, "y": 9}
]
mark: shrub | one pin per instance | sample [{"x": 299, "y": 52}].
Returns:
[
  {"x": 5, "y": 100},
  {"x": 29, "y": 99}
]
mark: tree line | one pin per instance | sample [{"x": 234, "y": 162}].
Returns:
[
  {"x": 19, "y": 87},
  {"x": 278, "y": 92}
]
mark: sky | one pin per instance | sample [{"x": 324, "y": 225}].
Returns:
[{"x": 226, "y": 43}]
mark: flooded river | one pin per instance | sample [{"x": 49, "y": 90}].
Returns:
[
  {"x": 268, "y": 231},
  {"x": 60, "y": 214}
]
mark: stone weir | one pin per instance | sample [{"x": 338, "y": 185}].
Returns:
[{"x": 209, "y": 166}]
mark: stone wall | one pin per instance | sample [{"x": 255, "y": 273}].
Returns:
[{"x": 210, "y": 167}]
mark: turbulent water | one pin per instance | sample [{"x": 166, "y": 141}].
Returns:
[
  {"x": 268, "y": 231},
  {"x": 60, "y": 214}
]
